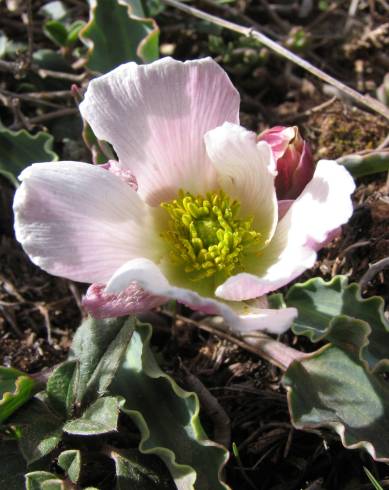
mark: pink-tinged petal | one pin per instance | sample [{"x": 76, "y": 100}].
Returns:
[
  {"x": 324, "y": 205},
  {"x": 290, "y": 182},
  {"x": 294, "y": 160},
  {"x": 283, "y": 207},
  {"x": 156, "y": 115},
  {"x": 149, "y": 277},
  {"x": 130, "y": 301},
  {"x": 121, "y": 172},
  {"x": 278, "y": 137},
  {"x": 246, "y": 171},
  {"x": 79, "y": 221}
]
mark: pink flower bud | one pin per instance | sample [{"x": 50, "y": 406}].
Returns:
[{"x": 293, "y": 159}]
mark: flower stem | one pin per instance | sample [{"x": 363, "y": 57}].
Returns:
[{"x": 258, "y": 343}]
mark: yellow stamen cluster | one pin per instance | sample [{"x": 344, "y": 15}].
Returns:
[{"x": 205, "y": 234}]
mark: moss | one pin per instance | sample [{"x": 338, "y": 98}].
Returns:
[{"x": 344, "y": 131}]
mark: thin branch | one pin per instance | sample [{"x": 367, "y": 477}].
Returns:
[
  {"x": 312, "y": 110},
  {"x": 68, "y": 111},
  {"x": 364, "y": 100},
  {"x": 219, "y": 417},
  {"x": 384, "y": 143},
  {"x": 10, "y": 66},
  {"x": 59, "y": 74},
  {"x": 30, "y": 35},
  {"x": 29, "y": 98},
  {"x": 373, "y": 270},
  {"x": 56, "y": 94},
  {"x": 262, "y": 345}
]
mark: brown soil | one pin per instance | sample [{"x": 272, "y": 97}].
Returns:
[{"x": 39, "y": 313}]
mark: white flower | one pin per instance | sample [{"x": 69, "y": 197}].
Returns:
[{"x": 202, "y": 226}]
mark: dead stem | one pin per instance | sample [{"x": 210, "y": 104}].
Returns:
[
  {"x": 68, "y": 111},
  {"x": 30, "y": 36},
  {"x": 364, "y": 100},
  {"x": 219, "y": 417},
  {"x": 373, "y": 270},
  {"x": 262, "y": 345}
]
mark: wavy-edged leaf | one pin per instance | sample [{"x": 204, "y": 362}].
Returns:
[
  {"x": 332, "y": 388},
  {"x": 56, "y": 32},
  {"x": 16, "y": 388},
  {"x": 139, "y": 471},
  {"x": 19, "y": 148},
  {"x": 319, "y": 302},
  {"x": 12, "y": 467},
  {"x": 99, "y": 346},
  {"x": 61, "y": 387},
  {"x": 167, "y": 418},
  {"x": 73, "y": 32},
  {"x": 361, "y": 165},
  {"x": 43, "y": 480},
  {"x": 114, "y": 35},
  {"x": 70, "y": 462},
  {"x": 99, "y": 418},
  {"x": 41, "y": 430}
]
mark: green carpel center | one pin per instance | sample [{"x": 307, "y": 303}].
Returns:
[{"x": 205, "y": 234}]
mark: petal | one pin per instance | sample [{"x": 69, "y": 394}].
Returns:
[
  {"x": 278, "y": 137},
  {"x": 121, "y": 172},
  {"x": 302, "y": 174},
  {"x": 283, "y": 207},
  {"x": 80, "y": 221},
  {"x": 130, "y": 301},
  {"x": 156, "y": 115},
  {"x": 312, "y": 219},
  {"x": 149, "y": 277},
  {"x": 246, "y": 172}
]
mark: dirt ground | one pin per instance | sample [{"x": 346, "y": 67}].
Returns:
[{"x": 39, "y": 313}]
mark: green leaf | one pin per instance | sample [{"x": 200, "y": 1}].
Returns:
[
  {"x": 99, "y": 346},
  {"x": 49, "y": 59},
  {"x": 70, "y": 462},
  {"x": 319, "y": 303},
  {"x": 41, "y": 430},
  {"x": 373, "y": 481},
  {"x": 167, "y": 418},
  {"x": 331, "y": 388},
  {"x": 62, "y": 388},
  {"x": 16, "y": 388},
  {"x": 140, "y": 472},
  {"x": 19, "y": 148},
  {"x": 359, "y": 165},
  {"x": 114, "y": 36},
  {"x": 99, "y": 418},
  {"x": 12, "y": 467},
  {"x": 54, "y": 484},
  {"x": 73, "y": 32},
  {"x": 56, "y": 32},
  {"x": 43, "y": 480}
]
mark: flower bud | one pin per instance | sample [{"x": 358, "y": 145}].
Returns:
[{"x": 293, "y": 160}]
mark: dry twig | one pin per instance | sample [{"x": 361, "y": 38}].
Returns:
[
  {"x": 220, "y": 419},
  {"x": 373, "y": 270},
  {"x": 364, "y": 100},
  {"x": 262, "y": 345}
]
